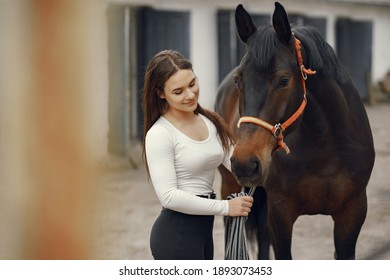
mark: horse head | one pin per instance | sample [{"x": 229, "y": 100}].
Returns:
[{"x": 272, "y": 94}]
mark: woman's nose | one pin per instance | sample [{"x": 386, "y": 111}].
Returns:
[{"x": 190, "y": 94}]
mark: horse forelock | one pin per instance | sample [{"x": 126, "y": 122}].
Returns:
[{"x": 262, "y": 47}]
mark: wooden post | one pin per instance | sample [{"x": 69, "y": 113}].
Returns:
[{"x": 58, "y": 171}]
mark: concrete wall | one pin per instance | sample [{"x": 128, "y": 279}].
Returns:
[
  {"x": 203, "y": 37},
  {"x": 203, "y": 45}
]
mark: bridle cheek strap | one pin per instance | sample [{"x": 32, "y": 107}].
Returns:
[{"x": 278, "y": 129}]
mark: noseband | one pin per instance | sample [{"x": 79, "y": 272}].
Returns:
[{"x": 278, "y": 129}]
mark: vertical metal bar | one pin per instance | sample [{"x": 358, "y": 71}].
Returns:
[
  {"x": 126, "y": 54},
  {"x": 233, "y": 41}
]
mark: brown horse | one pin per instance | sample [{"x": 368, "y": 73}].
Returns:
[{"x": 304, "y": 138}]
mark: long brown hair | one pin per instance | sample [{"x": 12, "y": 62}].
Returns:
[{"x": 161, "y": 67}]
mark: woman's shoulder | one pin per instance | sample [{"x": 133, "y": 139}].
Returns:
[
  {"x": 159, "y": 129},
  {"x": 208, "y": 122}
]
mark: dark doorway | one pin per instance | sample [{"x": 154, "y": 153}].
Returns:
[
  {"x": 134, "y": 36},
  {"x": 354, "y": 44},
  {"x": 157, "y": 31}
]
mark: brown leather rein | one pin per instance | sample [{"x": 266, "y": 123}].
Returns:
[{"x": 278, "y": 129}]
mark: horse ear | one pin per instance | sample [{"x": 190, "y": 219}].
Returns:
[
  {"x": 281, "y": 24},
  {"x": 244, "y": 23}
]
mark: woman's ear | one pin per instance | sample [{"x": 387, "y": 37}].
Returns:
[{"x": 160, "y": 94}]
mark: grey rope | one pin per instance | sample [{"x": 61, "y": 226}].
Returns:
[{"x": 235, "y": 238}]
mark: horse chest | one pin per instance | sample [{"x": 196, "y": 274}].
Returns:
[
  {"x": 323, "y": 194},
  {"x": 319, "y": 191}
]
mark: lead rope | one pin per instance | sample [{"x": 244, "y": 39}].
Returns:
[{"x": 235, "y": 237}]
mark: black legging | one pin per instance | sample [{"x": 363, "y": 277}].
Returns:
[{"x": 178, "y": 236}]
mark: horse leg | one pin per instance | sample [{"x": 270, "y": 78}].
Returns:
[
  {"x": 264, "y": 238},
  {"x": 347, "y": 226},
  {"x": 281, "y": 220},
  {"x": 257, "y": 224}
]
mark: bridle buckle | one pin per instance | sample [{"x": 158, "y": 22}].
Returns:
[{"x": 277, "y": 130}]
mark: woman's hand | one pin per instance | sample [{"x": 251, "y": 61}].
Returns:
[{"x": 240, "y": 206}]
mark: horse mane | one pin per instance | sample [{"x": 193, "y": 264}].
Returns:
[{"x": 264, "y": 45}]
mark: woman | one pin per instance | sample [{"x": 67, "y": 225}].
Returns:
[{"x": 183, "y": 146}]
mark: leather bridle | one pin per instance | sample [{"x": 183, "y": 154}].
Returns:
[{"x": 278, "y": 129}]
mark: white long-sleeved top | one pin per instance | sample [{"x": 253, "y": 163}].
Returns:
[{"x": 182, "y": 168}]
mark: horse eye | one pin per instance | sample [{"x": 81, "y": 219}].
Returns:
[{"x": 283, "y": 82}]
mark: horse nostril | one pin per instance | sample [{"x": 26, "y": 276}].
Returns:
[
  {"x": 254, "y": 164},
  {"x": 248, "y": 168}
]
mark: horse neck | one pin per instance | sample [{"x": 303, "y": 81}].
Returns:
[
  {"x": 314, "y": 118},
  {"x": 331, "y": 105},
  {"x": 326, "y": 105}
]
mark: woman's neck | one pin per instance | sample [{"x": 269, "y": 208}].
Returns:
[{"x": 179, "y": 116}]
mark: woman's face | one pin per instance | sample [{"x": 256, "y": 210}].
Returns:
[{"x": 181, "y": 91}]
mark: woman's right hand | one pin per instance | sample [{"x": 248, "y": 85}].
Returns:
[{"x": 240, "y": 206}]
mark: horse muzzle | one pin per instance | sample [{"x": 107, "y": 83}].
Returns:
[
  {"x": 251, "y": 171},
  {"x": 248, "y": 172}
]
